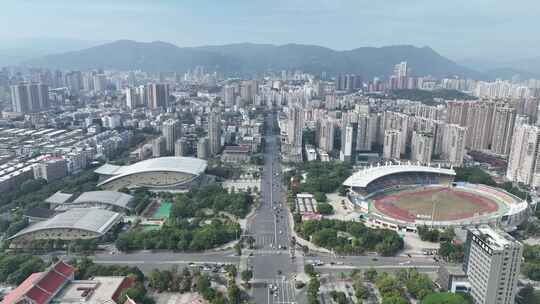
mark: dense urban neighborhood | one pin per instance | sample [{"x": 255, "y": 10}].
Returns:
[{"x": 145, "y": 173}]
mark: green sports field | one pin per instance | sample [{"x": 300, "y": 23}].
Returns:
[
  {"x": 441, "y": 203},
  {"x": 163, "y": 211}
]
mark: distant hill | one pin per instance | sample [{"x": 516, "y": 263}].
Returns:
[
  {"x": 249, "y": 58},
  {"x": 509, "y": 73},
  {"x": 15, "y": 51},
  {"x": 529, "y": 65}
]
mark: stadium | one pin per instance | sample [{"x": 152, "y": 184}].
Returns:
[
  {"x": 163, "y": 173},
  {"x": 403, "y": 197},
  {"x": 79, "y": 223}
]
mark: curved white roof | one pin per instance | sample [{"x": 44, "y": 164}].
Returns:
[
  {"x": 365, "y": 176},
  {"x": 98, "y": 221},
  {"x": 112, "y": 198},
  {"x": 178, "y": 164}
]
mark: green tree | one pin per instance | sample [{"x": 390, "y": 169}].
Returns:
[
  {"x": 233, "y": 293},
  {"x": 238, "y": 249},
  {"x": 325, "y": 208},
  {"x": 394, "y": 300},
  {"x": 231, "y": 270},
  {"x": 444, "y": 298},
  {"x": 310, "y": 270},
  {"x": 246, "y": 275},
  {"x": 371, "y": 275}
]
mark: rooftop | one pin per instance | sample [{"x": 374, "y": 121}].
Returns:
[
  {"x": 112, "y": 198},
  {"x": 237, "y": 149},
  {"x": 90, "y": 219},
  {"x": 365, "y": 176},
  {"x": 496, "y": 239},
  {"x": 178, "y": 164},
  {"x": 41, "y": 286},
  {"x": 96, "y": 291},
  {"x": 189, "y": 165},
  {"x": 37, "y": 212},
  {"x": 59, "y": 198}
]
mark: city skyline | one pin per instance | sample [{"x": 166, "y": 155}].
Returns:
[{"x": 446, "y": 27}]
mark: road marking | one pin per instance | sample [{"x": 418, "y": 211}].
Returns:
[
  {"x": 197, "y": 263},
  {"x": 379, "y": 267}
]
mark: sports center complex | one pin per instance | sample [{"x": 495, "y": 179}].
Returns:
[
  {"x": 163, "y": 173},
  {"x": 404, "y": 196}
]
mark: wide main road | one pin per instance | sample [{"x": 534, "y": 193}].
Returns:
[{"x": 271, "y": 260}]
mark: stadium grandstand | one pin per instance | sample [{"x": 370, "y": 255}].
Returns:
[
  {"x": 403, "y": 197},
  {"x": 372, "y": 179},
  {"x": 109, "y": 200},
  {"x": 80, "y": 223},
  {"x": 163, "y": 173}
]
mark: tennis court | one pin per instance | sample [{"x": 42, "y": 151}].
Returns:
[{"x": 163, "y": 211}]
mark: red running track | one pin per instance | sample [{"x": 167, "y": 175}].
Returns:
[{"x": 386, "y": 206}]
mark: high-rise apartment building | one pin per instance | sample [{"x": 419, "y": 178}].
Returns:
[
  {"x": 402, "y": 70},
  {"x": 171, "y": 131},
  {"x": 248, "y": 90},
  {"x": 325, "y": 134},
  {"x": 202, "y": 148},
  {"x": 453, "y": 144},
  {"x": 181, "y": 147},
  {"x": 158, "y": 95},
  {"x": 100, "y": 82},
  {"x": 364, "y": 137},
  {"x": 479, "y": 124},
  {"x": 159, "y": 147},
  {"x": 400, "y": 122},
  {"x": 392, "y": 144},
  {"x": 73, "y": 81},
  {"x": 492, "y": 263},
  {"x": 229, "y": 96},
  {"x": 295, "y": 125},
  {"x": 132, "y": 98},
  {"x": 503, "y": 127},
  {"x": 29, "y": 97},
  {"x": 421, "y": 147},
  {"x": 348, "y": 82},
  {"x": 523, "y": 160},
  {"x": 348, "y": 146},
  {"x": 489, "y": 124},
  {"x": 214, "y": 133},
  {"x": 142, "y": 93}
]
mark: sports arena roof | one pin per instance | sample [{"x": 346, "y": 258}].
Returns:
[
  {"x": 98, "y": 221},
  {"x": 365, "y": 176},
  {"x": 187, "y": 165},
  {"x": 113, "y": 198}
]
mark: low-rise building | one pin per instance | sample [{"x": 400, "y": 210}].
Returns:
[
  {"x": 109, "y": 200},
  {"x": 453, "y": 279},
  {"x": 236, "y": 154},
  {"x": 57, "y": 285}
]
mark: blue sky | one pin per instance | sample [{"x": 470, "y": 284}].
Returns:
[{"x": 489, "y": 29}]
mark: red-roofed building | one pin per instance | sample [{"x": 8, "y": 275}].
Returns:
[
  {"x": 22, "y": 289},
  {"x": 57, "y": 285},
  {"x": 64, "y": 269},
  {"x": 41, "y": 287},
  {"x": 36, "y": 295}
]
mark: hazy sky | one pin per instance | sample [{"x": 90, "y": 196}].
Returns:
[{"x": 492, "y": 29}]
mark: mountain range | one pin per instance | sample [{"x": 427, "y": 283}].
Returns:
[
  {"x": 15, "y": 51},
  {"x": 248, "y": 58}
]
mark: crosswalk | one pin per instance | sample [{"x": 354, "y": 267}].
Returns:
[
  {"x": 281, "y": 291},
  {"x": 263, "y": 240}
]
